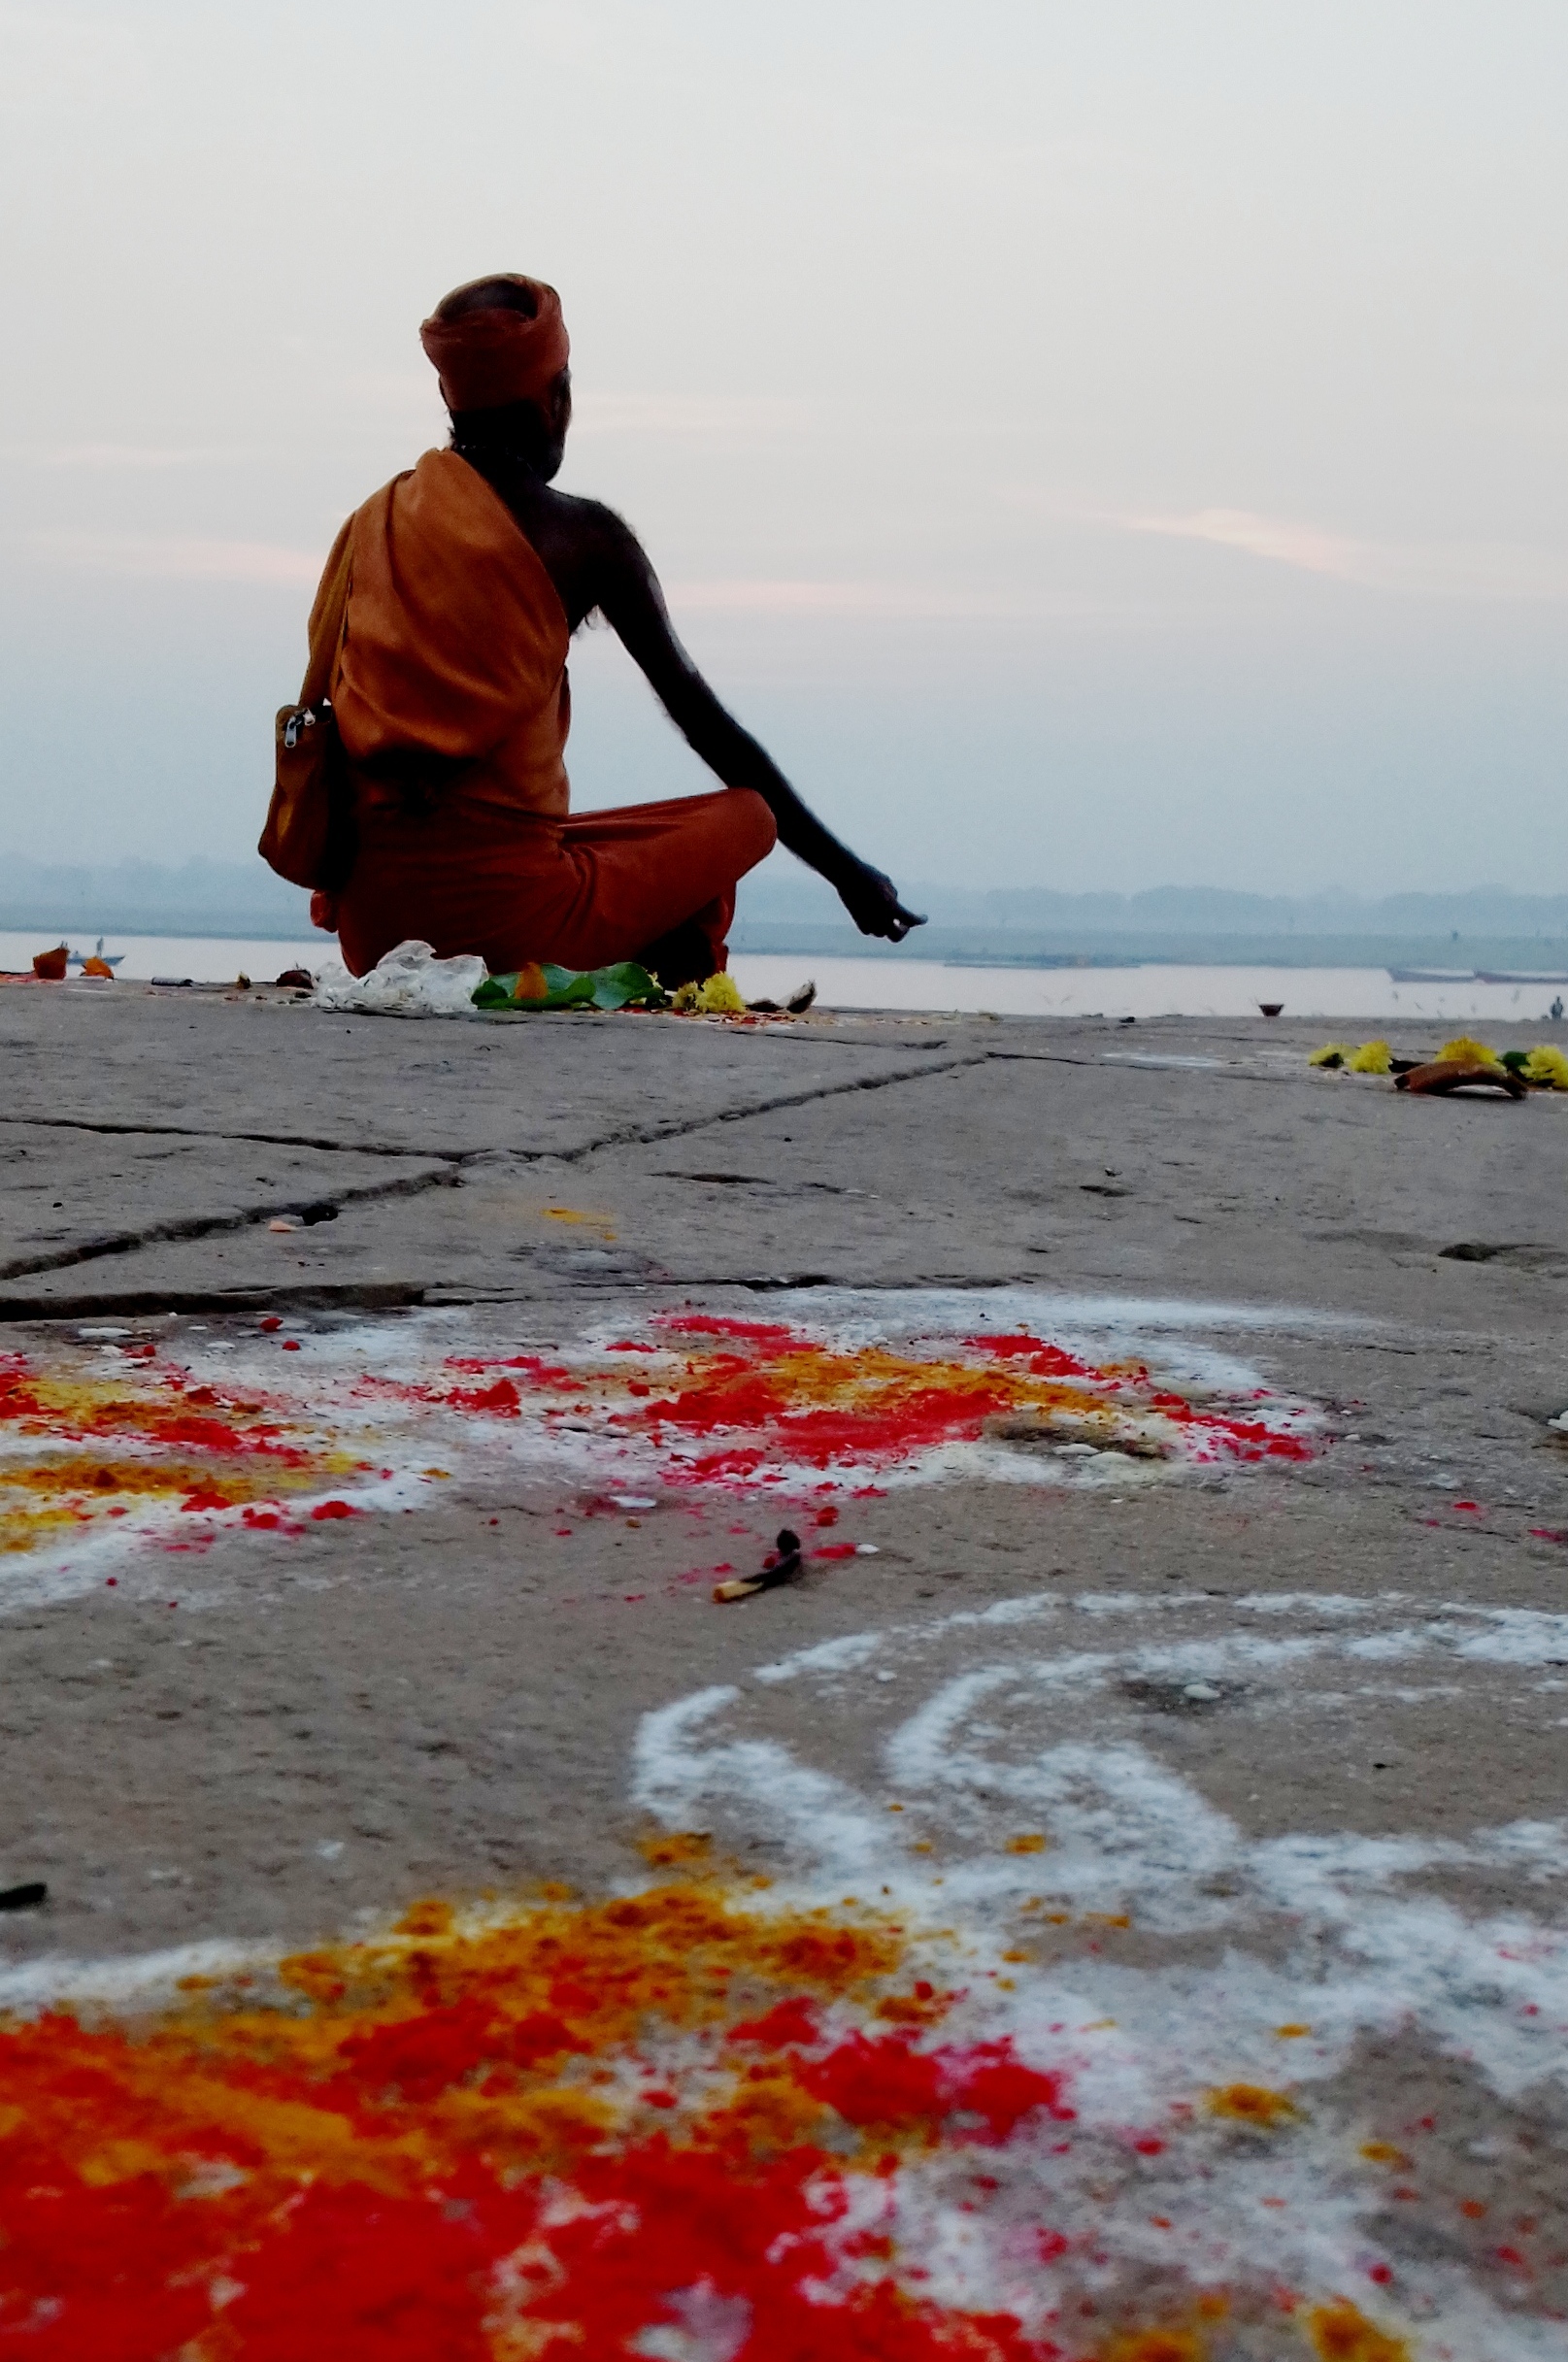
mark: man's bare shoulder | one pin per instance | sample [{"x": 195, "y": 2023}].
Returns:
[{"x": 593, "y": 525}]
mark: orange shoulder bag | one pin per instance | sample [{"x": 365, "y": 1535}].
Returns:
[{"x": 309, "y": 837}]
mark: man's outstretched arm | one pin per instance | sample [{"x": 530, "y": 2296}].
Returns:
[{"x": 633, "y": 604}]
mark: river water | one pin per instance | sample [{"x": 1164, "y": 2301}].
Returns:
[{"x": 1334, "y": 994}]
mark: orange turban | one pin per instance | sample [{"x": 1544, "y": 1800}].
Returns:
[{"x": 495, "y": 355}]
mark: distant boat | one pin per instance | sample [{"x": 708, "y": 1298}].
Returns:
[
  {"x": 111, "y": 959},
  {"x": 1522, "y": 976},
  {"x": 1435, "y": 976}
]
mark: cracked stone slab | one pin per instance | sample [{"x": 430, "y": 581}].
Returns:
[
  {"x": 289, "y": 1074},
  {"x": 1004, "y": 1167},
  {"x": 70, "y": 1200}
]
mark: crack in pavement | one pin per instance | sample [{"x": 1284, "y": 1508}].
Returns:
[
  {"x": 644, "y": 1135},
  {"x": 626, "y": 1136},
  {"x": 200, "y": 1226},
  {"x": 1146, "y": 1062},
  {"x": 320, "y": 1296},
  {"x": 210, "y": 1225},
  {"x": 262, "y": 1139}
]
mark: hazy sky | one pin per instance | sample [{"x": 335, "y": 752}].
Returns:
[{"x": 1093, "y": 443}]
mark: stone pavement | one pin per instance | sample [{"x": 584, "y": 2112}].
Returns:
[{"x": 1176, "y": 1688}]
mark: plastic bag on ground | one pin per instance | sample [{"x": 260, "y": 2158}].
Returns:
[{"x": 409, "y": 983}]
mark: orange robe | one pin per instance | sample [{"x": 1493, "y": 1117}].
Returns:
[{"x": 451, "y": 696}]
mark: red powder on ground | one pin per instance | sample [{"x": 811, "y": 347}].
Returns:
[
  {"x": 790, "y": 2021},
  {"x": 425, "y": 2160},
  {"x": 708, "y": 1324}
]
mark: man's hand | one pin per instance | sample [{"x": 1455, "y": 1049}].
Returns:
[{"x": 872, "y": 901}]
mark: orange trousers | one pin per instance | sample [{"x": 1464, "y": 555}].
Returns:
[{"x": 651, "y": 881}]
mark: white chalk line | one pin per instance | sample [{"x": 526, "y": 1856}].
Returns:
[{"x": 1352, "y": 1952}]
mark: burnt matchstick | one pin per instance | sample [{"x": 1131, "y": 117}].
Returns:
[{"x": 781, "y": 1565}]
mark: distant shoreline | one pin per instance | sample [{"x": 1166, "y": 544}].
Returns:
[{"x": 1523, "y": 958}]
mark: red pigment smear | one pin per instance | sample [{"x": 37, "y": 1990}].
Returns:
[
  {"x": 758, "y": 1392},
  {"x": 705, "y": 1324},
  {"x": 887, "y": 2083},
  {"x": 83, "y": 1439},
  {"x": 411, "y": 2167},
  {"x": 791, "y": 2022},
  {"x": 1045, "y": 1360},
  {"x": 335, "y": 1509},
  {"x": 91, "y": 1409}
]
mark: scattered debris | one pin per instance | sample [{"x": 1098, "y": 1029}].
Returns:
[
  {"x": 1462, "y": 1064},
  {"x": 298, "y": 980},
  {"x": 1446, "y": 1075},
  {"x": 1174, "y": 1696},
  {"x": 410, "y": 982},
  {"x": 781, "y": 1565},
  {"x": 795, "y": 1006},
  {"x": 26, "y": 1897}
]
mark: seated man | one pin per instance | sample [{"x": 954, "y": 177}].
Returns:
[{"x": 464, "y": 582}]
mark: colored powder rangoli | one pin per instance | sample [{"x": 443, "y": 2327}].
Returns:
[
  {"x": 686, "y": 2122},
  {"x": 82, "y": 1448},
  {"x": 166, "y": 1445}
]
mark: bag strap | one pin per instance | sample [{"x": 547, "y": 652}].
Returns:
[{"x": 329, "y": 618}]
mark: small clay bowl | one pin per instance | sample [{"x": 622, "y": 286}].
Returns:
[{"x": 1271, "y": 1009}]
